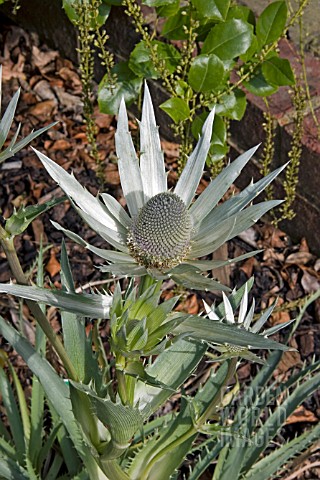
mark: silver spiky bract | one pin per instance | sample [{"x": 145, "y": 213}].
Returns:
[
  {"x": 244, "y": 319},
  {"x": 152, "y": 238}
]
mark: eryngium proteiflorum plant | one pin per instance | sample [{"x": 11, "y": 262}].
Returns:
[
  {"x": 164, "y": 232},
  {"x": 107, "y": 402}
]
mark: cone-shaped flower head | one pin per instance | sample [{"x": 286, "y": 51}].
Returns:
[
  {"x": 160, "y": 235},
  {"x": 164, "y": 232}
]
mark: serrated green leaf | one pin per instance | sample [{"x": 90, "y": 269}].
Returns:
[
  {"x": 55, "y": 389},
  {"x": 276, "y": 420},
  {"x": 13, "y": 416},
  {"x": 21, "y": 219},
  {"x": 158, "y": 446},
  {"x": 10, "y": 469},
  {"x": 89, "y": 305},
  {"x": 177, "y": 108},
  {"x": 172, "y": 367},
  {"x": 8, "y": 117},
  {"x": 121, "y": 421},
  {"x": 271, "y": 23},
  {"x": 15, "y": 146},
  {"x": 268, "y": 466},
  {"x": 206, "y": 73},
  {"x": 277, "y": 71},
  {"x": 221, "y": 333},
  {"x": 229, "y": 39}
]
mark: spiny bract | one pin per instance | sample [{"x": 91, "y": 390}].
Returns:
[{"x": 164, "y": 232}]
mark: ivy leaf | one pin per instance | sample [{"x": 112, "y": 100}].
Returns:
[
  {"x": 259, "y": 86},
  {"x": 176, "y": 108},
  {"x": 141, "y": 64},
  {"x": 278, "y": 72},
  {"x": 229, "y": 39},
  {"x": 271, "y": 23},
  {"x": 127, "y": 86},
  {"x": 215, "y": 9},
  {"x": 206, "y": 73}
]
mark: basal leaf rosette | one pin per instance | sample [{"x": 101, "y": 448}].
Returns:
[{"x": 165, "y": 231}]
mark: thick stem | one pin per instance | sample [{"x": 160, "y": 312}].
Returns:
[
  {"x": 113, "y": 470},
  {"x": 195, "y": 428},
  {"x": 217, "y": 398},
  {"x": 16, "y": 269},
  {"x": 145, "y": 282}
]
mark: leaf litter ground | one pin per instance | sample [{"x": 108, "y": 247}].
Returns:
[{"x": 51, "y": 91}]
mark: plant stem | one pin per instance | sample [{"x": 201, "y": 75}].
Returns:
[
  {"x": 216, "y": 399},
  {"x": 122, "y": 385},
  {"x": 195, "y": 428},
  {"x": 113, "y": 470},
  {"x": 7, "y": 243},
  {"x": 145, "y": 282}
]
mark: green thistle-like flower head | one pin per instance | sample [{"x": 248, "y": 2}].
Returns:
[
  {"x": 164, "y": 233},
  {"x": 160, "y": 234}
]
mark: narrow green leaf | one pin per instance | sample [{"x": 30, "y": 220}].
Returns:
[
  {"x": 277, "y": 418},
  {"x": 172, "y": 367},
  {"x": 221, "y": 333},
  {"x": 21, "y": 219},
  {"x": 8, "y": 117},
  {"x": 13, "y": 416},
  {"x": 89, "y": 305},
  {"x": 57, "y": 391},
  {"x": 268, "y": 466},
  {"x": 10, "y": 469},
  {"x": 14, "y": 147}
]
